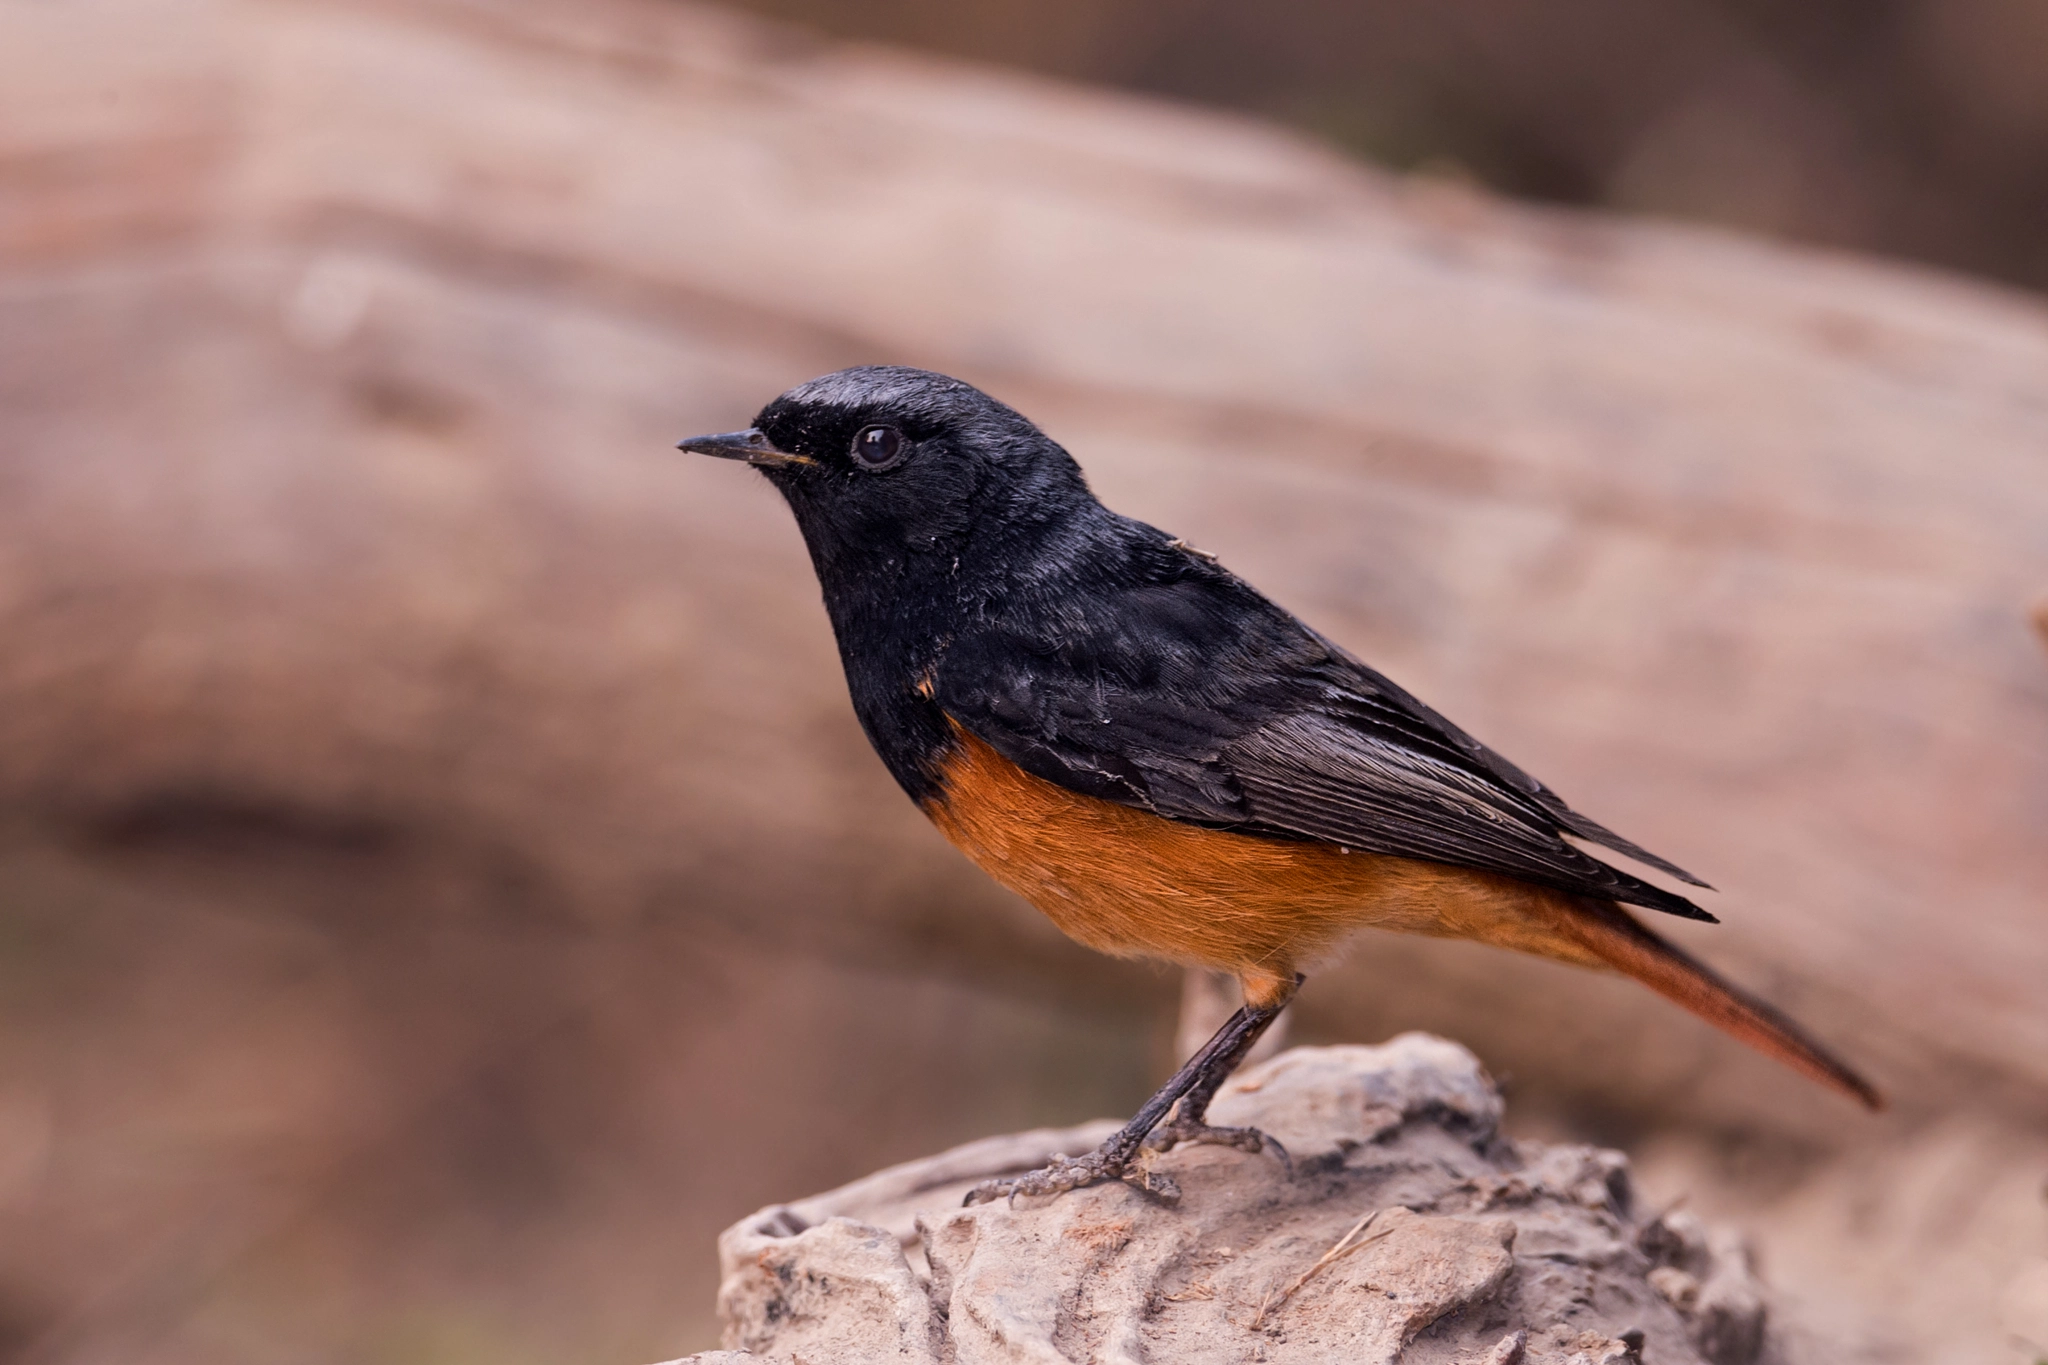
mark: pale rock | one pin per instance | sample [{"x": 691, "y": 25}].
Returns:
[
  {"x": 840, "y": 1290},
  {"x": 1407, "y": 1229},
  {"x": 1706, "y": 1274},
  {"x": 1317, "y": 1099}
]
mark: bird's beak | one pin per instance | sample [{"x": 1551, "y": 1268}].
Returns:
[{"x": 749, "y": 445}]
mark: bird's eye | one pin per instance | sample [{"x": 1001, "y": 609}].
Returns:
[{"x": 877, "y": 447}]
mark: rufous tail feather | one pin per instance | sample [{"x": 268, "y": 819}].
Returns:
[{"x": 1612, "y": 934}]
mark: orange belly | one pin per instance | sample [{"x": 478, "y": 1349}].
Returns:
[{"x": 1127, "y": 882}]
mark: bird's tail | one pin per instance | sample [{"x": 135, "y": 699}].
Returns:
[{"x": 1611, "y": 934}]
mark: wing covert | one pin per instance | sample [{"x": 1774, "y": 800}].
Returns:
[{"x": 1199, "y": 700}]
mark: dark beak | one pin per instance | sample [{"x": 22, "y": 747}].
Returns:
[{"x": 749, "y": 445}]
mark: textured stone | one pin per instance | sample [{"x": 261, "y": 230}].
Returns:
[
  {"x": 1707, "y": 1276},
  {"x": 1408, "y": 1228},
  {"x": 838, "y": 1290}
]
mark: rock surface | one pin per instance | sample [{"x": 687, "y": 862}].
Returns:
[{"x": 1407, "y": 1229}]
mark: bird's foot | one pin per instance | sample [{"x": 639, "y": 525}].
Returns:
[
  {"x": 1175, "y": 1131},
  {"x": 1072, "y": 1172}
]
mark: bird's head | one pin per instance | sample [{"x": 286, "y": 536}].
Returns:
[{"x": 886, "y": 465}]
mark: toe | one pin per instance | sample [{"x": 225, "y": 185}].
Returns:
[
  {"x": 988, "y": 1191},
  {"x": 1158, "y": 1184}
]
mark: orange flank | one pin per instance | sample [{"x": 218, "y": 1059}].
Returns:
[{"x": 1128, "y": 882}]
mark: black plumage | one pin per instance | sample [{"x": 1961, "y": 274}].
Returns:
[
  {"x": 979, "y": 579},
  {"x": 1045, "y": 677}
]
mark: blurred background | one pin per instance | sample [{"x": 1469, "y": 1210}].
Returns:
[
  {"x": 1918, "y": 128},
  {"x": 441, "y": 880}
]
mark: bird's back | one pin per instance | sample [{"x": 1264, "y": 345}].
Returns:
[{"x": 1142, "y": 673}]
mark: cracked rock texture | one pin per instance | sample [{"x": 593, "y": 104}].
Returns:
[{"x": 1451, "y": 1244}]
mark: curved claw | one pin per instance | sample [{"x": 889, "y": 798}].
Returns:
[
  {"x": 1158, "y": 1184},
  {"x": 988, "y": 1191},
  {"x": 1280, "y": 1150},
  {"x": 1171, "y": 1134}
]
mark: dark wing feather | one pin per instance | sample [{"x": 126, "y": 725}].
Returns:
[
  {"x": 1197, "y": 699},
  {"x": 1313, "y": 774},
  {"x": 1416, "y": 722}
]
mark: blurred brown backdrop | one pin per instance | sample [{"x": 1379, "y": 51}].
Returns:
[
  {"x": 441, "y": 881},
  {"x": 1913, "y": 127}
]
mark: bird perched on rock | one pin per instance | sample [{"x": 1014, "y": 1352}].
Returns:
[{"x": 1139, "y": 743}]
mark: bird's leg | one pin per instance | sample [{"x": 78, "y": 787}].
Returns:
[
  {"x": 1113, "y": 1160},
  {"x": 1188, "y": 1122}
]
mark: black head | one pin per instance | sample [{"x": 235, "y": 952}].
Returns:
[
  {"x": 887, "y": 466},
  {"x": 943, "y": 525}
]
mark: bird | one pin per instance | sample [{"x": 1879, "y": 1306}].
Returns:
[{"x": 1161, "y": 759}]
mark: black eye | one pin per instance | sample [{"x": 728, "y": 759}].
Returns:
[{"x": 877, "y": 447}]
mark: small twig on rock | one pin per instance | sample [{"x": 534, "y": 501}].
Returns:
[{"x": 1344, "y": 1247}]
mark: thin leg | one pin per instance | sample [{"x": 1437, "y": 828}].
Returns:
[
  {"x": 1202, "y": 1074},
  {"x": 1188, "y": 1121},
  {"x": 1188, "y": 1124},
  {"x": 1208, "y": 996}
]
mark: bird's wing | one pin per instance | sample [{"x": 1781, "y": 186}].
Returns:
[{"x": 1200, "y": 701}]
